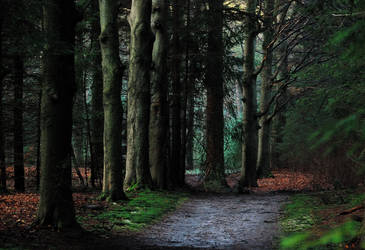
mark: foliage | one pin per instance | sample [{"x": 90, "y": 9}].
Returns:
[
  {"x": 303, "y": 218},
  {"x": 298, "y": 214},
  {"x": 326, "y": 123},
  {"x": 232, "y": 145}
]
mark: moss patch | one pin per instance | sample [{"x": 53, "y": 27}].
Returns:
[
  {"x": 141, "y": 209},
  {"x": 313, "y": 221}
]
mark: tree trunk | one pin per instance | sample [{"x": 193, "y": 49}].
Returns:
[
  {"x": 75, "y": 163},
  {"x": 18, "y": 124},
  {"x": 184, "y": 95},
  {"x": 190, "y": 129},
  {"x": 214, "y": 109},
  {"x": 38, "y": 164},
  {"x": 263, "y": 157},
  {"x": 2, "y": 137},
  {"x": 159, "y": 86},
  {"x": 112, "y": 82},
  {"x": 97, "y": 114},
  {"x": 250, "y": 126},
  {"x": 139, "y": 93},
  {"x": 279, "y": 121},
  {"x": 191, "y": 113},
  {"x": 56, "y": 205},
  {"x": 175, "y": 171}
]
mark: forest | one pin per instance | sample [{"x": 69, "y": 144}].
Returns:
[{"x": 182, "y": 124}]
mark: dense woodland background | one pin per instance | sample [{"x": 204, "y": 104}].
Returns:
[{"x": 158, "y": 88}]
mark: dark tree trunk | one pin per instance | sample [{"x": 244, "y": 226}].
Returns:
[
  {"x": 139, "y": 94},
  {"x": 112, "y": 82},
  {"x": 263, "y": 157},
  {"x": 97, "y": 112},
  {"x": 184, "y": 98},
  {"x": 190, "y": 118},
  {"x": 250, "y": 125},
  {"x": 159, "y": 86},
  {"x": 38, "y": 164},
  {"x": 214, "y": 109},
  {"x": 279, "y": 120},
  {"x": 18, "y": 124},
  {"x": 56, "y": 205},
  {"x": 2, "y": 137},
  {"x": 175, "y": 171}
]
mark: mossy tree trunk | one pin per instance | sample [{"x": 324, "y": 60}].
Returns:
[
  {"x": 56, "y": 205},
  {"x": 159, "y": 86},
  {"x": 97, "y": 112},
  {"x": 250, "y": 125},
  {"x": 112, "y": 82},
  {"x": 175, "y": 168},
  {"x": 18, "y": 124},
  {"x": 214, "y": 84},
  {"x": 263, "y": 157},
  {"x": 139, "y": 94}
]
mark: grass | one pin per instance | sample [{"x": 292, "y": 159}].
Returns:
[
  {"x": 304, "y": 227},
  {"x": 143, "y": 208}
]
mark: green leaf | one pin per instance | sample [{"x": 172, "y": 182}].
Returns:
[{"x": 294, "y": 240}]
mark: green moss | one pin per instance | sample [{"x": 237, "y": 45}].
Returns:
[
  {"x": 143, "y": 208},
  {"x": 300, "y": 216}
]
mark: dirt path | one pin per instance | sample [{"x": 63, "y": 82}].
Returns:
[{"x": 218, "y": 222}]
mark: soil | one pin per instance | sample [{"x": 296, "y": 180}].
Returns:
[
  {"x": 209, "y": 221},
  {"x": 205, "y": 221}
]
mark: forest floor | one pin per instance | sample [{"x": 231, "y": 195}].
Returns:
[
  {"x": 170, "y": 220},
  {"x": 212, "y": 221}
]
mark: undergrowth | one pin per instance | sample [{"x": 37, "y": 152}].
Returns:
[
  {"x": 142, "y": 208},
  {"x": 302, "y": 224}
]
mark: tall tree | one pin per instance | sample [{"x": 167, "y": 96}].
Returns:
[
  {"x": 185, "y": 94},
  {"x": 263, "y": 157},
  {"x": 18, "y": 123},
  {"x": 97, "y": 115},
  {"x": 279, "y": 120},
  {"x": 214, "y": 84},
  {"x": 159, "y": 86},
  {"x": 175, "y": 162},
  {"x": 139, "y": 94},
  {"x": 112, "y": 82},
  {"x": 18, "y": 78},
  {"x": 2, "y": 74},
  {"x": 249, "y": 144},
  {"x": 56, "y": 205}
]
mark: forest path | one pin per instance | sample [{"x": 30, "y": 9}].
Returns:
[{"x": 218, "y": 222}]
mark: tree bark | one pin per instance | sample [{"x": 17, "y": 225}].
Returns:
[
  {"x": 18, "y": 124},
  {"x": 38, "y": 163},
  {"x": 250, "y": 126},
  {"x": 2, "y": 137},
  {"x": 75, "y": 163},
  {"x": 97, "y": 114},
  {"x": 159, "y": 86},
  {"x": 214, "y": 109},
  {"x": 139, "y": 94},
  {"x": 263, "y": 157},
  {"x": 175, "y": 171},
  {"x": 184, "y": 98},
  {"x": 56, "y": 205},
  {"x": 190, "y": 113},
  {"x": 279, "y": 120},
  {"x": 112, "y": 82}
]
